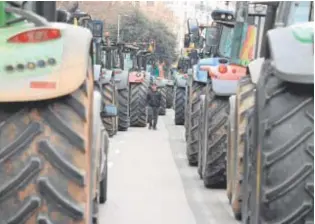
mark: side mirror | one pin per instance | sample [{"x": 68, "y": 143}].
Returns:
[{"x": 109, "y": 111}]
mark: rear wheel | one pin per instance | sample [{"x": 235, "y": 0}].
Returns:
[
  {"x": 123, "y": 110},
  {"x": 192, "y": 149},
  {"x": 138, "y": 112},
  {"x": 162, "y": 110},
  {"x": 202, "y": 132},
  {"x": 45, "y": 159},
  {"x": 245, "y": 102},
  {"x": 180, "y": 98},
  {"x": 187, "y": 113},
  {"x": 169, "y": 96},
  {"x": 109, "y": 97},
  {"x": 215, "y": 169},
  {"x": 284, "y": 139}
]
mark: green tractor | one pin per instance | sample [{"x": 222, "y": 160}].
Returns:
[
  {"x": 53, "y": 149},
  {"x": 273, "y": 179}
]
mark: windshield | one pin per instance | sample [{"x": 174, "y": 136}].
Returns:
[
  {"x": 302, "y": 12},
  {"x": 211, "y": 36},
  {"x": 225, "y": 45}
]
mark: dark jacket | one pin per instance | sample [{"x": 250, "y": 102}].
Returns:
[{"x": 154, "y": 98}]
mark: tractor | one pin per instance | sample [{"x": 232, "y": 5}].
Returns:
[
  {"x": 52, "y": 137},
  {"x": 237, "y": 38},
  {"x": 273, "y": 119},
  {"x": 139, "y": 81},
  {"x": 110, "y": 68},
  {"x": 197, "y": 84}
]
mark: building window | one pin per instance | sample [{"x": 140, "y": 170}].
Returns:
[{"x": 150, "y": 3}]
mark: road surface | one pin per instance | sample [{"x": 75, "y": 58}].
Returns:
[{"x": 151, "y": 183}]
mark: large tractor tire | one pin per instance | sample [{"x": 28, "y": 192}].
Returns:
[
  {"x": 169, "y": 96},
  {"x": 187, "y": 113},
  {"x": 192, "y": 148},
  {"x": 215, "y": 155},
  {"x": 138, "y": 112},
  {"x": 109, "y": 96},
  {"x": 123, "y": 110},
  {"x": 180, "y": 100},
  {"x": 162, "y": 110},
  {"x": 231, "y": 138},
  {"x": 245, "y": 97},
  {"x": 284, "y": 148},
  {"x": 249, "y": 179},
  {"x": 202, "y": 131},
  {"x": 45, "y": 159}
]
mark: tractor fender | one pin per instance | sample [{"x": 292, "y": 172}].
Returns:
[
  {"x": 122, "y": 80},
  {"x": 106, "y": 77},
  {"x": 161, "y": 82},
  {"x": 136, "y": 76},
  {"x": 181, "y": 82},
  {"x": 254, "y": 68},
  {"x": 170, "y": 82},
  {"x": 199, "y": 76},
  {"x": 224, "y": 87},
  {"x": 72, "y": 56},
  {"x": 292, "y": 54}
]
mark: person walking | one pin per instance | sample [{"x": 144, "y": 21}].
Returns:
[{"x": 153, "y": 102}]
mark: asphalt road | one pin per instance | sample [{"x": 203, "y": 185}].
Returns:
[{"x": 150, "y": 181}]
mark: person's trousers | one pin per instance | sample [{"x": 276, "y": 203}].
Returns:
[{"x": 153, "y": 114}]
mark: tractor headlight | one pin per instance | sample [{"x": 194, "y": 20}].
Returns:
[
  {"x": 230, "y": 17},
  {"x": 223, "y": 16}
]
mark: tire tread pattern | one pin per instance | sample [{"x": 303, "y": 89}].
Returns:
[{"x": 43, "y": 152}]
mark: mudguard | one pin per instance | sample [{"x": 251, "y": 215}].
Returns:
[
  {"x": 136, "y": 76},
  {"x": 292, "y": 52},
  {"x": 106, "y": 76},
  {"x": 122, "y": 79},
  {"x": 161, "y": 82},
  {"x": 224, "y": 87},
  {"x": 255, "y": 69},
  {"x": 170, "y": 82},
  {"x": 61, "y": 78},
  {"x": 181, "y": 81}
]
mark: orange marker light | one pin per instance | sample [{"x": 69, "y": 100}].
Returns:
[
  {"x": 222, "y": 68},
  {"x": 43, "y": 85}
]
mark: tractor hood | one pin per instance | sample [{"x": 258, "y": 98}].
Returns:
[{"x": 42, "y": 70}]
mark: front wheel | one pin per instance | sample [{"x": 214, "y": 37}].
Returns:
[
  {"x": 215, "y": 170},
  {"x": 45, "y": 159},
  {"x": 180, "y": 98},
  {"x": 162, "y": 110},
  {"x": 169, "y": 96}
]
